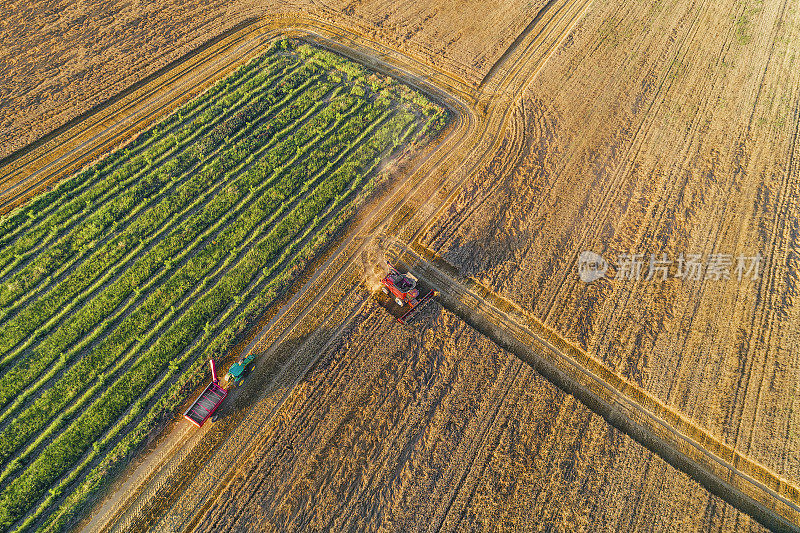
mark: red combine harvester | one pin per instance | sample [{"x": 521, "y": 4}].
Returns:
[
  {"x": 205, "y": 405},
  {"x": 405, "y": 290}
]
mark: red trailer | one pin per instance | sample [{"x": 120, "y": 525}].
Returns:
[{"x": 205, "y": 405}]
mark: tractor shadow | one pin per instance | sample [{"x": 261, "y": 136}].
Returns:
[{"x": 273, "y": 373}]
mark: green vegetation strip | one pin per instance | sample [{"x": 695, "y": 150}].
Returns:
[
  {"x": 118, "y": 284},
  {"x": 74, "y": 241},
  {"x": 103, "y": 354},
  {"x": 144, "y": 233}
]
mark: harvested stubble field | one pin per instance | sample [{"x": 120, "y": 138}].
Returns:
[
  {"x": 656, "y": 127},
  {"x": 60, "y": 58},
  {"x": 662, "y": 128},
  {"x": 121, "y": 282},
  {"x": 435, "y": 427}
]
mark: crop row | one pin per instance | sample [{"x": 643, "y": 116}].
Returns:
[
  {"x": 95, "y": 192},
  {"x": 124, "y": 243},
  {"x": 72, "y": 246},
  {"x": 223, "y": 218}
]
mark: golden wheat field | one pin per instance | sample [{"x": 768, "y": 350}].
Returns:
[
  {"x": 436, "y": 427},
  {"x": 619, "y": 149},
  {"x": 653, "y": 133}
]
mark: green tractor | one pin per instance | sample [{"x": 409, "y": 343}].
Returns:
[{"x": 236, "y": 373}]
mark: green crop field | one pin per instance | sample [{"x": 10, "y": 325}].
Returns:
[{"x": 116, "y": 286}]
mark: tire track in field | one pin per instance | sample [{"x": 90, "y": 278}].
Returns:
[
  {"x": 666, "y": 204},
  {"x": 613, "y": 189},
  {"x": 515, "y": 44},
  {"x": 539, "y": 137},
  {"x": 507, "y": 158},
  {"x": 550, "y": 37},
  {"x": 412, "y": 420},
  {"x": 472, "y": 447},
  {"x": 525, "y": 69},
  {"x": 489, "y": 442},
  {"x": 359, "y": 56},
  {"x": 739, "y": 480},
  {"x": 765, "y": 321},
  {"x": 449, "y": 228},
  {"x": 666, "y": 201},
  {"x": 11, "y": 197}
]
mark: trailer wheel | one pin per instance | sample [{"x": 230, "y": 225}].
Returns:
[
  {"x": 399, "y": 302},
  {"x": 385, "y": 290}
]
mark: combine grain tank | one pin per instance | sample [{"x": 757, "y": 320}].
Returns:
[
  {"x": 405, "y": 289},
  {"x": 205, "y": 405}
]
